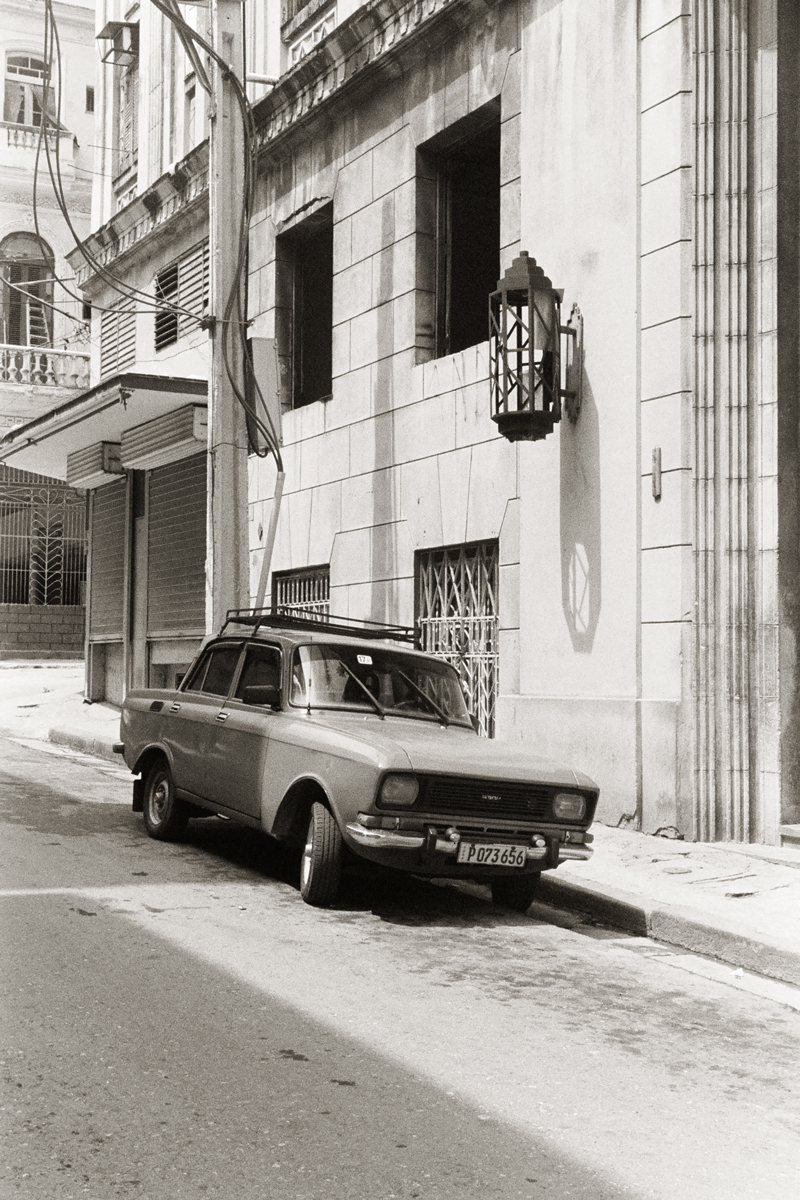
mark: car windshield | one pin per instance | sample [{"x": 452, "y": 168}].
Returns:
[{"x": 377, "y": 680}]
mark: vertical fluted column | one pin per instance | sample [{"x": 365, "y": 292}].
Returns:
[{"x": 723, "y": 588}]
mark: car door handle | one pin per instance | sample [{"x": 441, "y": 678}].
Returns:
[
  {"x": 222, "y": 716},
  {"x": 174, "y": 707}
]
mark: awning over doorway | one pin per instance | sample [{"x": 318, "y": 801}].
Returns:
[{"x": 101, "y": 414}]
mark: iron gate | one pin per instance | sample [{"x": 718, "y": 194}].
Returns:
[
  {"x": 42, "y": 545},
  {"x": 457, "y": 615}
]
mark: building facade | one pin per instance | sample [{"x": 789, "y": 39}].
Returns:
[{"x": 619, "y": 594}]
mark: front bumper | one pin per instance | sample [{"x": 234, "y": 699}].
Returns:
[{"x": 414, "y": 843}]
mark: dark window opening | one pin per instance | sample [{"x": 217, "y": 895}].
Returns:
[
  {"x": 167, "y": 318},
  {"x": 86, "y": 310},
  {"x": 305, "y": 265},
  {"x": 90, "y": 99},
  {"x": 466, "y": 164},
  {"x": 26, "y": 285},
  {"x": 183, "y": 285}
]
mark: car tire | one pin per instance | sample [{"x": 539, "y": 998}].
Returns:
[
  {"x": 515, "y": 891},
  {"x": 321, "y": 864},
  {"x": 165, "y": 816}
]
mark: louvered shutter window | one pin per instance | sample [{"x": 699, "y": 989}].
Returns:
[
  {"x": 167, "y": 318},
  {"x": 128, "y": 142},
  {"x": 117, "y": 339},
  {"x": 185, "y": 284}
]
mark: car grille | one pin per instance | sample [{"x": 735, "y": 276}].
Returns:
[{"x": 444, "y": 794}]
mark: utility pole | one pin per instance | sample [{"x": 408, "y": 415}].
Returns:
[{"x": 227, "y": 575}]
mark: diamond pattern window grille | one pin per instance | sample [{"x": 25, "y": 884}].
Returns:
[
  {"x": 457, "y": 619},
  {"x": 42, "y": 545},
  {"x": 307, "y": 590}
]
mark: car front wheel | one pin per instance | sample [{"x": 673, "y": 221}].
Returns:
[
  {"x": 515, "y": 891},
  {"x": 321, "y": 864},
  {"x": 165, "y": 816}
]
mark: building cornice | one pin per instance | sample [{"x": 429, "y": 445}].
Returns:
[
  {"x": 376, "y": 44},
  {"x": 154, "y": 214}
]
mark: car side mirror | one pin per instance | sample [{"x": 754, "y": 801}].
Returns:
[{"x": 263, "y": 694}]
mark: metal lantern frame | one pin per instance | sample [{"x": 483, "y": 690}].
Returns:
[{"x": 524, "y": 318}]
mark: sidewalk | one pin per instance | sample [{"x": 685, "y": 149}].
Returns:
[{"x": 740, "y": 904}]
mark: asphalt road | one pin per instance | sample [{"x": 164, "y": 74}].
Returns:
[{"x": 177, "y": 1023}]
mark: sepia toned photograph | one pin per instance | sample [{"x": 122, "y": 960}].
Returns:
[{"x": 400, "y": 600}]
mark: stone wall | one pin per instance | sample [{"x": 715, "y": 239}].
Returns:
[{"x": 32, "y": 631}]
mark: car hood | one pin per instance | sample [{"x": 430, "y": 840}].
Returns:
[{"x": 454, "y": 750}]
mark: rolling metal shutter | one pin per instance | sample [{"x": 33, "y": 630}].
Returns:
[
  {"x": 176, "y": 559},
  {"x": 106, "y": 604}
]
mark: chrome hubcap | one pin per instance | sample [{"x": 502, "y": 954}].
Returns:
[
  {"x": 159, "y": 799},
  {"x": 306, "y": 864}
]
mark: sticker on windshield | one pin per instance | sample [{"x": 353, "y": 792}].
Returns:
[{"x": 364, "y": 659}]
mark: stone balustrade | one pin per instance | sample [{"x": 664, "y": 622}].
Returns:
[{"x": 41, "y": 366}]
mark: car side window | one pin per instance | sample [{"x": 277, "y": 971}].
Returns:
[
  {"x": 262, "y": 667},
  {"x": 215, "y": 679},
  {"x": 195, "y": 681}
]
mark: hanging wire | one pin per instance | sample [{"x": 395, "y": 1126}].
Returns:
[
  {"x": 233, "y": 310},
  {"x": 52, "y": 50}
]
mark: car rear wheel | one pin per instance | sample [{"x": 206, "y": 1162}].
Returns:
[
  {"x": 321, "y": 864},
  {"x": 165, "y": 816},
  {"x": 515, "y": 891}
]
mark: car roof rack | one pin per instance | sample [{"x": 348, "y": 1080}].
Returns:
[{"x": 285, "y": 618}]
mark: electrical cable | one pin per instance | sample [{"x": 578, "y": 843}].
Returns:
[
  {"x": 136, "y": 294},
  {"x": 40, "y": 299},
  {"x": 235, "y": 297},
  {"x": 233, "y": 310}
]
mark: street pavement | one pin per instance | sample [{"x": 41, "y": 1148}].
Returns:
[
  {"x": 739, "y": 904},
  {"x": 177, "y": 1023}
]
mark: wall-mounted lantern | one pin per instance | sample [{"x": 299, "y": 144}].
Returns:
[
  {"x": 525, "y": 333},
  {"x": 124, "y": 39}
]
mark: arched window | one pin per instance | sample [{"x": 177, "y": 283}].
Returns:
[
  {"x": 26, "y": 275},
  {"x": 24, "y": 94}
]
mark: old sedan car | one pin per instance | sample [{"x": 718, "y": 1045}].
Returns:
[{"x": 344, "y": 741}]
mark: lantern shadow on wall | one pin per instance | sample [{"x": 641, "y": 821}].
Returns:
[{"x": 580, "y": 528}]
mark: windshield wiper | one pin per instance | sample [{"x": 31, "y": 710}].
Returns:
[
  {"x": 442, "y": 715},
  {"x": 379, "y": 709}
]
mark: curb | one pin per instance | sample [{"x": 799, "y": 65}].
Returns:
[
  {"x": 99, "y": 745},
  {"x": 677, "y": 926}
]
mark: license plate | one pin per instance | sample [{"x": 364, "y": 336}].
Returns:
[{"x": 479, "y": 854}]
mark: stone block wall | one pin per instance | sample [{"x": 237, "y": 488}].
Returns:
[{"x": 31, "y": 631}]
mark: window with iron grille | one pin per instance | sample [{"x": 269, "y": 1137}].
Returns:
[
  {"x": 184, "y": 283},
  {"x": 117, "y": 338},
  {"x": 307, "y": 590},
  {"x": 457, "y": 618},
  {"x": 42, "y": 544}
]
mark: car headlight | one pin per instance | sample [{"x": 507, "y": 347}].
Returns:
[
  {"x": 399, "y": 791},
  {"x": 569, "y": 806}
]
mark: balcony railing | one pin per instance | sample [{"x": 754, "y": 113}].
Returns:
[
  {"x": 43, "y": 367},
  {"x": 18, "y": 145}
]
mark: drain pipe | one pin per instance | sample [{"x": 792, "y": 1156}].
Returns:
[{"x": 266, "y": 561}]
